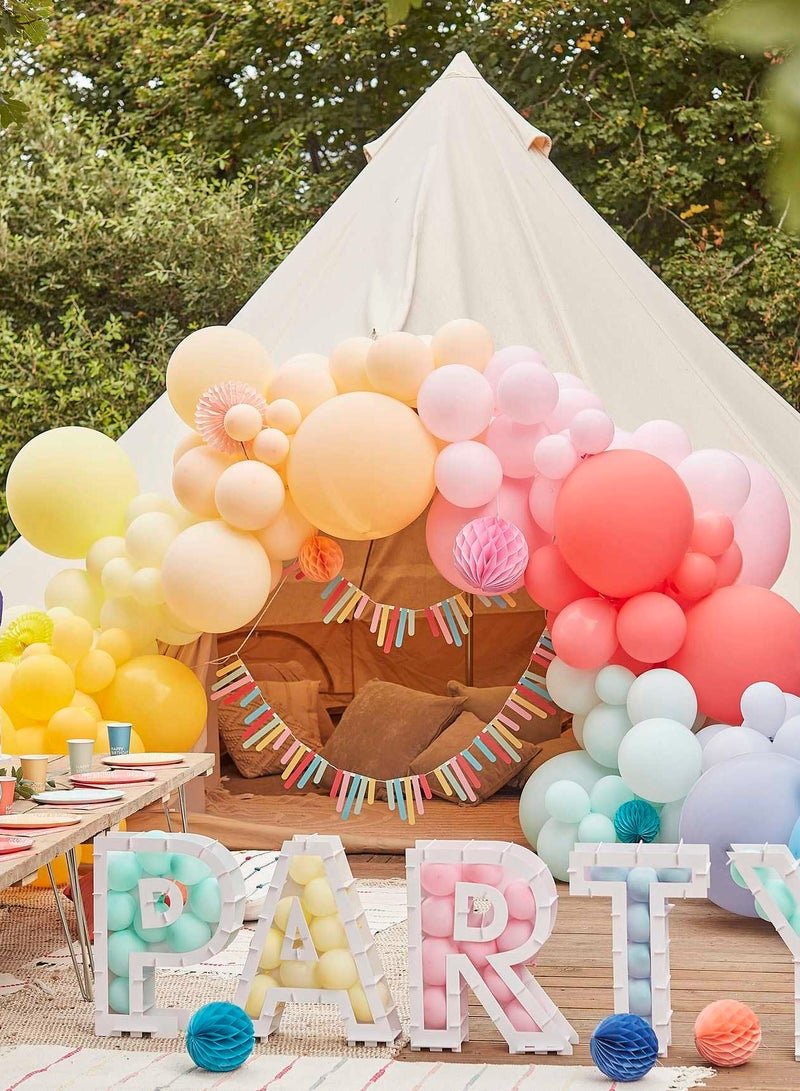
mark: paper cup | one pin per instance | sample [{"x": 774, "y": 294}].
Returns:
[
  {"x": 34, "y": 770},
  {"x": 80, "y": 755},
  {"x": 7, "y": 786},
  {"x": 119, "y": 737}
]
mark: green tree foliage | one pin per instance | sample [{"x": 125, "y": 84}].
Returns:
[{"x": 22, "y": 23}]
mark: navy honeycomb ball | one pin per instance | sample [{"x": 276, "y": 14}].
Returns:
[
  {"x": 624, "y": 1048},
  {"x": 220, "y": 1037}
]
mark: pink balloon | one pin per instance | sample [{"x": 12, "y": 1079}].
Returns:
[
  {"x": 521, "y": 902},
  {"x": 516, "y": 933},
  {"x": 438, "y": 915},
  {"x": 555, "y": 457},
  {"x": 488, "y": 874},
  {"x": 651, "y": 627},
  {"x": 542, "y": 502},
  {"x": 568, "y": 381},
  {"x": 717, "y": 480},
  {"x": 762, "y": 528},
  {"x": 496, "y": 986},
  {"x": 478, "y": 951},
  {"x": 551, "y": 582},
  {"x": 505, "y": 358},
  {"x": 591, "y": 431},
  {"x": 527, "y": 393},
  {"x": 664, "y": 439},
  {"x": 570, "y": 402},
  {"x": 519, "y": 1017},
  {"x": 434, "y": 959},
  {"x": 584, "y": 633},
  {"x": 468, "y": 474},
  {"x": 440, "y": 879},
  {"x": 455, "y": 402},
  {"x": 434, "y": 1008},
  {"x": 622, "y": 441},
  {"x": 514, "y": 445},
  {"x": 712, "y": 534}
]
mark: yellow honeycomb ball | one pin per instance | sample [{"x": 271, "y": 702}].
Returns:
[
  {"x": 282, "y": 909},
  {"x": 295, "y": 974},
  {"x": 305, "y": 868},
  {"x": 337, "y": 970},
  {"x": 319, "y": 899},
  {"x": 361, "y": 1008},
  {"x": 271, "y": 952},
  {"x": 328, "y": 933},
  {"x": 258, "y": 991}
]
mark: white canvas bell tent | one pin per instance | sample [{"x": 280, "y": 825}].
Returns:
[{"x": 460, "y": 213}]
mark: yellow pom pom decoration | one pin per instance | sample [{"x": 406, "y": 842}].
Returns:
[{"x": 32, "y": 628}]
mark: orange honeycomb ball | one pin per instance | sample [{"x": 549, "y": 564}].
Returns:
[
  {"x": 727, "y": 1033},
  {"x": 320, "y": 559}
]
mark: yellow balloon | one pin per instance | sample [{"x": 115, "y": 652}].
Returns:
[
  {"x": 215, "y": 354},
  {"x": 103, "y": 746},
  {"x": 83, "y": 700},
  {"x": 68, "y": 487},
  {"x": 116, "y": 577},
  {"x": 328, "y": 933},
  {"x": 147, "y": 502},
  {"x": 463, "y": 341},
  {"x": 141, "y": 623},
  {"x": 361, "y": 467},
  {"x": 78, "y": 591},
  {"x": 6, "y": 674},
  {"x": 148, "y": 537},
  {"x": 298, "y": 975},
  {"x": 302, "y": 869},
  {"x": 348, "y": 365},
  {"x": 262, "y": 983},
  {"x": 117, "y": 643},
  {"x": 361, "y": 1008},
  {"x": 304, "y": 380},
  {"x": 397, "y": 364},
  {"x": 103, "y": 551},
  {"x": 94, "y": 671},
  {"x": 281, "y": 918},
  {"x": 146, "y": 587},
  {"x": 72, "y": 638},
  {"x": 66, "y": 724},
  {"x": 7, "y": 732},
  {"x": 319, "y": 899},
  {"x": 271, "y": 951},
  {"x": 29, "y": 740},
  {"x": 337, "y": 970},
  {"x": 161, "y": 697},
  {"x": 37, "y": 649},
  {"x": 41, "y": 686}
]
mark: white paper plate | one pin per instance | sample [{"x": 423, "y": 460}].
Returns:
[
  {"x": 141, "y": 761},
  {"x": 72, "y": 797},
  {"x": 111, "y": 778},
  {"x": 36, "y": 820}
]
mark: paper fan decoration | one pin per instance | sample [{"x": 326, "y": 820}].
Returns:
[
  {"x": 727, "y": 1033},
  {"x": 320, "y": 559},
  {"x": 491, "y": 555},
  {"x": 624, "y": 1047},
  {"x": 35, "y": 627},
  {"x": 215, "y": 406}
]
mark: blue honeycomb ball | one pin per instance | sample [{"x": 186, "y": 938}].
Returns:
[
  {"x": 637, "y": 820},
  {"x": 624, "y": 1048},
  {"x": 220, "y": 1037}
]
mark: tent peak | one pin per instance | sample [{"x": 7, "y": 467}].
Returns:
[{"x": 462, "y": 66}]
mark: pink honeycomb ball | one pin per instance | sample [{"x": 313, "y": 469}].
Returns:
[
  {"x": 440, "y": 879},
  {"x": 488, "y": 874},
  {"x": 434, "y": 1006},
  {"x": 434, "y": 959},
  {"x": 438, "y": 915},
  {"x": 516, "y": 933},
  {"x": 496, "y": 986},
  {"x": 518, "y": 1017},
  {"x": 521, "y": 903},
  {"x": 478, "y": 951}
]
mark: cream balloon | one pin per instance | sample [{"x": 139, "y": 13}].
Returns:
[
  {"x": 249, "y": 495},
  {"x": 361, "y": 467},
  {"x": 284, "y": 415},
  {"x": 116, "y": 577},
  {"x": 146, "y": 587},
  {"x": 189, "y": 441},
  {"x": 148, "y": 538},
  {"x": 397, "y": 364},
  {"x": 68, "y": 487},
  {"x": 215, "y": 578},
  {"x": 243, "y": 422},
  {"x": 195, "y": 478},
  {"x": 463, "y": 342},
  {"x": 282, "y": 539},
  {"x": 78, "y": 591},
  {"x": 103, "y": 551},
  {"x": 148, "y": 502},
  {"x": 139, "y": 622},
  {"x": 271, "y": 446},
  {"x": 305, "y": 380},
  {"x": 214, "y": 354},
  {"x": 348, "y": 365}
]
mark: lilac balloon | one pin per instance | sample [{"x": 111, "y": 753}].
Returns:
[
  {"x": 787, "y": 741},
  {"x": 792, "y": 705},
  {"x": 706, "y": 734},
  {"x": 762, "y": 528},
  {"x": 752, "y": 800},
  {"x": 733, "y": 743},
  {"x": 763, "y": 708}
]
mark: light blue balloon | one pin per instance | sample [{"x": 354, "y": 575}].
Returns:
[
  {"x": 640, "y": 997},
  {"x": 205, "y": 900},
  {"x": 638, "y": 923},
  {"x": 567, "y": 801},
  {"x": 639, "y": 881},
  {"x": 639, "y": 960},
  {"x": 609, "y": 874},
  {"x": 188, "y": 869},
  {"x": 119, "y": 999},
  {"x": 575, "y": 765},
  {"x": 597, "y": 828},
  {"x": 556, "y": 841},
  {"x": 123, "y": 871},
  {"x": 782, "y": 896},
  {"x": 149, "y": 935},
  {"x": 609, "y": 794},
  {"x": 120, "y": 908},
  {"x": 120, "y": 946},
  {"x": 187, "y": 933},
  {"x": 674, "y": 875},
  {"x": 154, "y": 863},
  {"x": 794, "y": 840}
]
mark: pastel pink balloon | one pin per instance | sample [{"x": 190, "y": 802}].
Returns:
[
  {"x": 712, "y": 534},
  {"x": 488, "y": 874},
  {"x": 570, "y": 402},
  {"x": 503, "y": 360},
  {"x": 527, "y": 392},
  {"x": 584, "y": 633},
  {"x": 567, "y": 381},
  {"x": 440, "y": 879},
  {"x": 478, "y": 952},
  {"x": 591, "y": 431},
  {"x": 717, "y": 480},
  {"x": 663, "y": 438},
  {"x": 519, "y": 1018},
  {"x": 521, "y": 902},
  {"x": 514, "y": 445},
  {"x": 496, "y": 986},
  {"x": 468, "y": 474},
  {"x": 434, "y": 1008},
  {"x": 651, "y": 627},
  {"x": 434, "y": 959},
  {"x": 762, "y": 528},
  {"x": 516, "y": 933},
  {"x": 622, "y": 441},
  {"x": 455, "y": 402},
  {"x": 555, "y": 457},
  {"x": 438, "y": 915},
  {"x": 542, "y": 502}
]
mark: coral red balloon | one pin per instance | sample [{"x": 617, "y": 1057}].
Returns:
[
  {"x": 551, "y": 582},
  {"x": 623, "y": 520},
  {"x": 729, "y": 565},
  {"x": 727, "y": 1033},
  {"x": 320, "y": 559},
  {"x": 695, "y": 576},
  {"x": 651, "y": 627},
  {"x": 620, "y": 658},
  {"x": 734, "y": 637},
  {"x": 712, "y": 533},
  {"x": 584, "y": 633}
]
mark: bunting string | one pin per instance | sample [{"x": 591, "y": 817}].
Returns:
[
  {"x": 406, "y": 794},
  {"x": 394, "y": 624}
]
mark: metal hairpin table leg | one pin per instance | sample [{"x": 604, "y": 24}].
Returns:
[
  {"x": 167, "y": 814},
  {"x": 182, "y": 803},
  {"x": 68, "y": 936},
  {"x": 83, "y": 928}
]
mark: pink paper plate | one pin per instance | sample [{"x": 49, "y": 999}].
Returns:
[{"x": 9, "y": 845}]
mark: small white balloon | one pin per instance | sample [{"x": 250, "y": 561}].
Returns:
[
  {"x": 787, "y": 741},
  {"x": 706, "y": 734},
  {"x": 763, "y": 708},
  {"x": 734, "y": 742},
  {"x": 662, "y": 693},
  {"x": 571, "y": 689}
]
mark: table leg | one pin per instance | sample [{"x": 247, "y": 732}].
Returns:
[
  {"x": 167, "y": 814},
  {"x": 83, "y": 928},
  {"x": 67, "y": 935},
  {"x": 182, "y": 802}
]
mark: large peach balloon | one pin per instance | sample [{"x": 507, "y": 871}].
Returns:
[
  {"x": 304, "y": 380},
  {"x": 623, "y": 521},
  {"x": 285, "y": 535},
  {"x": 249, "y": 495},
  {"x": 215, "y": 578},
  {"x": 361, "y": 467},
  {"x": 734, "y": 637},
  {"x": 68, "y": 487},
  {"x": 463, "y": 341},
  {"x": 215, "y": 354},
  {"x": 161, "y": 698},
  {"x": 195, "y": 477}
]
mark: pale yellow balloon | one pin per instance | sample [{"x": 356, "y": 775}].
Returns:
[
  {"x": 282, "y": 909},
  {"x": 36, "y": 649},
  {"x": 41, "y": 686},
  {"x": 283, "y": 537},
  {"x": 463, "y": 341},
  {"x": 397, "y": 365},
  {"x": 305, "y": 380},
  {"x": 28, "y": 740},
  {"x": 271, "y": 446},
  {"x": 297, "y": 974},
  {"x": 190, "y": 440},
  {"x": 84, "y": 701},
  {"x": 78, "y": 591},
  {"x": 305, "y": 868},
  {"x": 147, "y": 502},
  {"x": 195, "y": 478},
  {"x": 146, "y": 587},
  {"x": 170, "y": 634},
  {"x": 361, "y": 467},
  {"x": 243, "y": 422},
  {"x": 72, "y": 638},
  {"x": 214, "y": 354},
  {"x": 216, "y": 578},
  {"x": 6, "y": 674},
  {"x": 348, "y": 365},
  {"x": 102, "y": 551},
  {"x": 139, "y": 622},
  {"x": 360, "y": 1004},
  {"x": 328, "y": 933},
  {"x": 270, "y": 957},
  {"x": 148, "y": 538},
  {"x": 116, "y": 577},
  {"x": 337, "y": 970},
  {"x": 262, "y": 983},
  {"x": 249, "y": 495},
  {"x": 69, "y": 723},
  {"x": 284, "y": 415},
  {"x": 94, "y": 671},
  {"x": 318, "y": 898},
  {"x": 117, "y": 643},
  {"x": 56, "y": 613},
  {"x": 68, "y": 487}
]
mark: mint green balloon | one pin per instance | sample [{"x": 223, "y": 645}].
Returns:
[
  {"x": 603, "y": 731},
  {"x": 154, "y": 863},
  {"x": 120, "y": 908},
  {"x": 205, "y": 900},
  {"x": 567, "y": 801},
  {"x": 782, "y": 897},
  {"x": 119, "y": 998},
  {"x": 123, "y": 871},
  {"x": 188, "y": 869},
  {"x": 149, "y": 935},
  {"x": 187, "y": 933},
  {"x": 609, "y": 794},
  {"x": 555, "y": 842},
  {"x": 120, "y": 946},
  {"x": 574, "y": 765},
  {"x": 795, "y": 921},
  {"x": 596, "y": 827}
]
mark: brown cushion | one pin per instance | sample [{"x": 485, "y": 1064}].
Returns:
[
  {"x": 385, "y": 727},
  {"x": 486, "y": 701},
  {"x": 295, "y": 703},
  {"x": 458, "y": 736}
]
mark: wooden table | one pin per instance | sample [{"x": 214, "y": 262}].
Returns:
[{"x": 94, "y": 819}]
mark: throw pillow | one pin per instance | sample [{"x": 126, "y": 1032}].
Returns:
[{"x": 486, "y": 701}]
